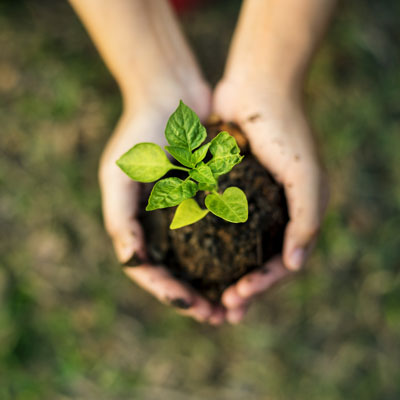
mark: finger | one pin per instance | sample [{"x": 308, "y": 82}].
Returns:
[
  {"x": 293, "y": 162},
  {"x": 235, "y": 315},
  {"x": 231, "y": 298},
  {"x": 218, "y": 316},
  {"x": 160, "y": 283},
  {"x": 262, "y": 279},
  {"x": 306, "y": 194},
  {"x": 120, "y": 197},
  {"x": 201, "y": 309}
]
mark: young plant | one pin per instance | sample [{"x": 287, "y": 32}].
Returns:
[{"x": 147, "y": 162}]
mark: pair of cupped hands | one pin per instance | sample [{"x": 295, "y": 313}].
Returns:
[{"x": 280, "y": 137}]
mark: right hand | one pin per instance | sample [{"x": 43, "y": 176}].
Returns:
[
  {"x": 280, "y": 136},
  {"x": 120, "y": 197}
]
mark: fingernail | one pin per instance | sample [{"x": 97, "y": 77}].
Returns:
[
  {"x": 296, "y": 259},
  {"x": 134, "y": 261},
  {"x": 180, "y": 303}
]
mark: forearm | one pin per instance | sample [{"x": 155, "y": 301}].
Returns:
[
  {"x": 142, "y": 45},
  {"x": 275, "y": 40}
]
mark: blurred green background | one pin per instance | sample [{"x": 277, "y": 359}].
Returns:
[{"x": 73, "y": 327}]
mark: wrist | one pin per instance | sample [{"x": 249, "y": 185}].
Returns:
[
  {"x": 164, "y": 93},
  {"x": 240, "y": 99},
  {"x": 273, "y": 45},
  {"x": 266, "y": 78}
]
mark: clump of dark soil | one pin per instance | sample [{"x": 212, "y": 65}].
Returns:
[{"x": 212, "y": 253}]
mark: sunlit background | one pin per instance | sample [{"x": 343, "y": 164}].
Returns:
[{"x": 73, "y": 327}]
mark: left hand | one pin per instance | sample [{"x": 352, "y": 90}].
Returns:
[
  {"x": 280, "y": 137},
  {"x": 120, "y": 201}
]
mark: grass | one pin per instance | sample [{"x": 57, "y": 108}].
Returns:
[{"x": 73, "y": 327}]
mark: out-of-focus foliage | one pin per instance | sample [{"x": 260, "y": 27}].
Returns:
[{"x": 73, "y": 327}]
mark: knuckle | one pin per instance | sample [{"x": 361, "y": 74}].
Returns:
[{"x": 112, "y": 230}]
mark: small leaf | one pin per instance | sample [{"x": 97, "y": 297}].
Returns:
[
  {"x": 145, "y": 162},
  {"x": 170, "y": 192},
  {"x": 231, "y": 205},
  {"x": 226, "y": 153},
  {"x": 203, "y": 174},
  {"x": 182, "y": 155},
  {"x": 184, "y": 128},
  {"x": 187, "y": 213},
  {"x": 200, "y": 153},
  {"x": 207, "y": 187}
]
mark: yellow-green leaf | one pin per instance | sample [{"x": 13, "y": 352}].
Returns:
[
  {"x": 231, "y": 205},
  {"x": 145, "y": 162},
  {"x": 203, "y": 174},
  {"x": 207, "y": 187},
  {"x": 200, "y": 153},
  {"x": 184, "y": 128},
  {"x": 170, "y": 192},
  {"x": 226, "y": 153},
  {"x": 184, "y": 156},
  {"x": 187, "y": 213}
]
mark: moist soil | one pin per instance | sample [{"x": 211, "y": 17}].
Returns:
[{"x": 212, "y": 254}]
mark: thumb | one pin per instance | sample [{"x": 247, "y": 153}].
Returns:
[
  {"x": 120, "y": 197},
  {"x": 307, "y": 196},
  {"x": 129, "y": 243}
]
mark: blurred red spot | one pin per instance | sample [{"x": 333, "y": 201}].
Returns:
[{"x": 185, "y": 5}]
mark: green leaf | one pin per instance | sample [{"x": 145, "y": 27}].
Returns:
[
  {"x": 231, "y": 205},
  {"x": 187, "y": 213},
  {"x": 145, "y": 162},
  {"x": 170, "y": 192},
  {"x": 207, "y": 187},
  {"x": 226, "y": 153},
  {"x": 184, "y": 156},
  {"x": 184, "y": 128},
  {"x": 203, "y": 174},
  {"x": 200, "y": 153}
]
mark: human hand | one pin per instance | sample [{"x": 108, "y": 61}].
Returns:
[
  {"x": 120, "y": 196},
  {"x": 280, "y": 137}
]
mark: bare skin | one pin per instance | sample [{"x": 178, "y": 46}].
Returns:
[
  {"x": 145, "y": 50},
  {"x": 261, "y": 91}
]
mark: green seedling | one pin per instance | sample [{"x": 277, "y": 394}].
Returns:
[{"x": 147, "y": 162}]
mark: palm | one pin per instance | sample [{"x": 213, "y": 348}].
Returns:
[
  {"x": 120, "y": 208},
  {"x": 280, "y": 137}
]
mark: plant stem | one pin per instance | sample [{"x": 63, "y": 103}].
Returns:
[{"x": 181, "y": 168}]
